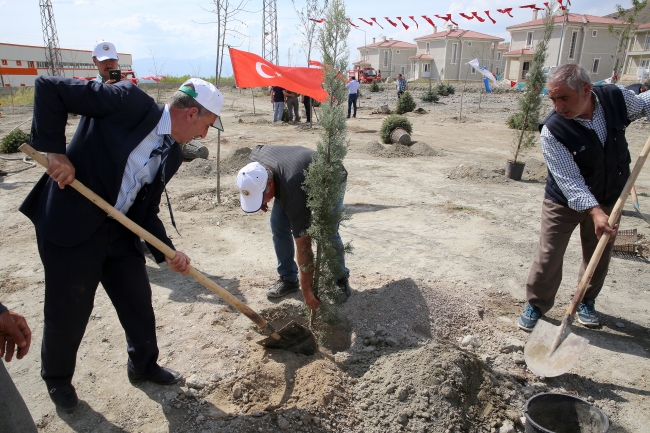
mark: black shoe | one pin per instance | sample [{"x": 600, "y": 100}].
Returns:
[
  {"x": 346, "y": 290},
  {"x": 160, "y": 375},
  {"x": 64, "y": 397},
  {"x": 282, "y": 288},
  {"x": 347, "y": 117}
]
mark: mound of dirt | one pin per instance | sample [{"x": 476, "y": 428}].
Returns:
[
  {"x": 479, "y": 173},
  {"x": 202, "y": 168},
  {"x": 236, "y": 161},
  {"x": 375, "y": 148},
  {"x": 535, "y": 170}
]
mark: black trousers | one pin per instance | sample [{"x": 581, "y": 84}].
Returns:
[
  {"x": 307, "y": 104},
  {"x": 109, "y": 256}
]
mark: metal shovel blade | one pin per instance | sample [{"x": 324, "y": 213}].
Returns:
[
  {"x": 638, "y": 210},
  {"x": 537, "y": 351},
  {"x": 293, "y": 337}
]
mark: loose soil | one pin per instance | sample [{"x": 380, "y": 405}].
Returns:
[{"x": 426, "y": 343}]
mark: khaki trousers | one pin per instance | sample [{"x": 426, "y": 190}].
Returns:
[{"x": 558, "y": 223}]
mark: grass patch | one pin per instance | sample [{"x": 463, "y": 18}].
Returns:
[
  {"x": 22, "y": 97},
  {"x": 450, "y": 207}
]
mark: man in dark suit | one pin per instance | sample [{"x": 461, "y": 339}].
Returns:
[{"x": 125, "y": 149}]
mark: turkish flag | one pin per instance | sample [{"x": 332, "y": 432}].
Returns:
[
  {"x": 250, "y": 70},
  {"x": 315, "y": 63}
]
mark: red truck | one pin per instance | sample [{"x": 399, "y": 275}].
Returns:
[{"x": 364, "y": 75}]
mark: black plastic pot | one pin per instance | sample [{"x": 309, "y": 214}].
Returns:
[
  {"x": 561, "y": 413},
  {"x": 514, "y": 170}
]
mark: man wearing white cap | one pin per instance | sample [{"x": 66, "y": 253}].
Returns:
[
  {"x": 105, "y": 58},
  {"x": 279, "y": 172},
  {"x": 129, "y": 149}
]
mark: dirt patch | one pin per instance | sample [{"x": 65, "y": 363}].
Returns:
[
  {"x": 376, "y": 148},
  {"x": 236, "y": 161},
  {"x": 207, "y": 168}
]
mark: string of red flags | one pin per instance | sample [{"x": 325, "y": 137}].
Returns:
[{"x": 449, "y": 18}]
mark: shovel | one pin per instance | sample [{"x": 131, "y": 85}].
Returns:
[
  {"x": 551, "y": 350},
  {"x": 292, "y": 337},
  {"x": 635, "y": 202}
]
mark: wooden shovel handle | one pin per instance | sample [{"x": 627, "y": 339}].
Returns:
[
  {"x": 157, "y": 243},
  {"x": 604, "y": 239}
]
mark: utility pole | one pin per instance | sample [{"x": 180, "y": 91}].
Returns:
[
  {"x": 270, "y": 30},
  {"x": 51, "y": 39}
]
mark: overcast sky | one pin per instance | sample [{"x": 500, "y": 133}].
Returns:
[{"x": 173, "y": 29}]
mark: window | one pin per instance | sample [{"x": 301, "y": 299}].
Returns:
[
  {"x": 427, "y": 48},
  {"x": 30, "y": 64},
  {"x": 594, "y": 67},
  {"x": 499, "y": 55},
  {"x": 572, "y": 45},
  {"x": 454, "y": 49},
  {"x": 473, "y": 70},
  {"x": 594, "y": 33},
  {"x": 647, "y": 43},
  {"x": 4, "y": 62},
  {"x": 397, "y": 51},
  {"x": 385, "y": 58},
  {"x": 426, "y": 67},
  {"x": 529, "y": 39},
  {"x": 469, "y": 44},
  {"x": 19, "y": 63},
  {"x": 401, "y": 70},
  {"x": 645, "y": 63},
  {"x": 498, "y": 71}
]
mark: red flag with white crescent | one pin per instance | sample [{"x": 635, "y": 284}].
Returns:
[
  {"x": 491, "y": 19},
  {"x": 429, "y": 20},
  {"x": 413, "y": 19},
  {"x": 392, "y": 23},
  {"x": 475, "y": 14},
  {"x": 467, "y": 17},
  {"x": 400, "y": 20},
  {"x": 250, "y": 70},
  {"x": 506, "y": 11}
]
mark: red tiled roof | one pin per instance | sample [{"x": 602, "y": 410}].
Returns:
[
  {"x": 422, "y": 56},
  {"x": 460, "y": 33},
  {"x": 644, "y": 26},
  {"x": 505, "y": 46},
  {"x": 520, "y": 52},
  {"x": 390, "y": 44},
  {"x": 572, "y": 18}
]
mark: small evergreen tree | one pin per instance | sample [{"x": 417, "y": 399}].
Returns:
[
  {"x": 405, "y": 103},
  {"x": 12, "y": 141},
  {"x": 374, "y": 87},
  {"x": 530, "y": 103},
  {"x": 325, "y": 180},
  {"x": 391, "y": 123},
  {"x": 430, "y": 95}
]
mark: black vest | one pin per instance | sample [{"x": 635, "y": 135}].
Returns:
[{"x": 605, "y": 169}]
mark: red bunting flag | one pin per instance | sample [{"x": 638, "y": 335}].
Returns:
[
  {"x": 413, "y": 19},
  {"x": 367, "y": 22},
  {"x": 477, "y": 17},
  {"x": 467, "y": 17},
  {"x": 250, "y": 70},
  {"x": 319, "y": 21},
  {"x": 352, "y": 24},
  {"x": 429, "y": 20},
  {"x": 491, "y": 19},
  {"x": 506, "y": 11},
  {"x": 375, "y": 20},
  {"x": 400, "y": 20},
  {"x": 394, "y": 24},
  {"x": 533, "y": 6},
  {"x": 315, "y": 63},
  {"x": 447, "y": 18}
]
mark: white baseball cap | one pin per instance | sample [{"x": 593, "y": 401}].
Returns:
[
  {"x": 205, "y": 94},
  {"x": 105, "y": 50},
  {"x": 251, "y": 181}
]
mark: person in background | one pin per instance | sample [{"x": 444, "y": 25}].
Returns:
[
  {"x": 583, "y": 143},
  {"x": 401, "y": 85},
  {"x": 105, "y": 58},
  {"x": 293, "y": 105},
  {"x": 306, "y": 100},
  {"x": 277, "y": 99},
  {"x": 14, "y": 334},
  {"x": 353, "y": 87}
]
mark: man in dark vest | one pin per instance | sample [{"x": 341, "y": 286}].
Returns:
[{"x": 583, "y": 142}]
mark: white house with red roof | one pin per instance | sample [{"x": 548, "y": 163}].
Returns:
[
  {"x": 443, "y": 55},
  {"x": 637, "y": 61},
  {"x": 389, "y": 56},
  {"x": 576, "y": 38}
]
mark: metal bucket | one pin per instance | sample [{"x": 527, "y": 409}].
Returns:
[{"x": 561, "y": 413}]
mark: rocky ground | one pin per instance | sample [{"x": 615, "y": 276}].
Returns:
[{"x": 426, "y": 343}]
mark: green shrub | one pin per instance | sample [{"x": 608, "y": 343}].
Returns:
[
  {"x": 450, "y": 89},
  {"x": 443, "y": 89},
  {"x": 374, "y": 87},
  {"x": 391, "y": 123},
  {"x": 285, "y": 114},
  {"x": 13, "y": 140},
  {"x": 430, "y": 95},
  {"x": 405, "y": 103},
  {"x": 516, "y": 119}
]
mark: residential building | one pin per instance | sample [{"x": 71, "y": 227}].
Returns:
[
  {"x": 443, "y": 55},
  {"x": 576, "y": 38},
  {"x": 388, "y": 56},
  {"x": 637, "y": 59},
  {"x": 20, "y": 65},
  {"x": 500, "y": 59}
]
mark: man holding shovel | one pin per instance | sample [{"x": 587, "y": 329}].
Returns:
[
  {"x": 583, "y": 142},
  {"x": 279, "y": 172},
  {"x": 126, "y": 149}
]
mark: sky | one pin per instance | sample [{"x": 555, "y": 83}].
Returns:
[{"x": 181, "y": 34}]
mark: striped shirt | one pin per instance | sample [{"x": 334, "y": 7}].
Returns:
[
  {"x": 401, "y": 85},
  {"x": 140, "y": 167},
  {"x": 99, "y": 79},
  {"x": 560, "y": 161}
]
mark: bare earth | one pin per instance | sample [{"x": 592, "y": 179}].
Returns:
[{"x": 442, "y": 248}]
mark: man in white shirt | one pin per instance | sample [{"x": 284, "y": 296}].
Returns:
[{"x": 353, "y": 87}]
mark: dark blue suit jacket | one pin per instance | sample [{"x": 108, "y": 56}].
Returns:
[{"x": 116, "y": 118}]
